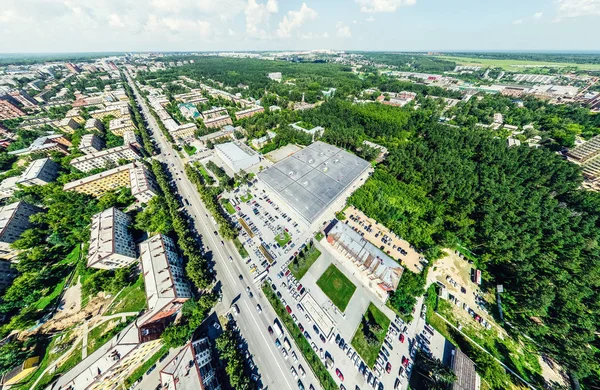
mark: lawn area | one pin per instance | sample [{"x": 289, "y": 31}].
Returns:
[
  {"x": 370, "y": 334},
  {"x": 207, "y": 177},
  {"x": 336, "y": 286},
  {"x": 283, "y": 238},
  {"x": 240, "y": 248},
  {"x": 130, "y": 299},
  {"x": 515, "y": 65},
  {"x": 319, "y": 236},
  {"x": 228, "y": 207},
  {"x": 73, "y": 359},
  {"x": 43, "y": 302},
  {"x": 189, "y": 149},
  {"x": 102, "y": 333},
  {"x": 305, "y": 259},
  {"x": 316, "y": 364},
  {"x": 246, "y": 197}
]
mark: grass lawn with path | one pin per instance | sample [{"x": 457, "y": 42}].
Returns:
[
  {"x": 369, "y": 351},
  {"x": 336, "y": 286},
  {"x": 130, "y": 299},
  {"x": 228, "y": 207},
  {"x": 246, "y": 197}
]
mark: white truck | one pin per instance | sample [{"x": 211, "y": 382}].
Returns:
[{"x": 277, "y": 328}]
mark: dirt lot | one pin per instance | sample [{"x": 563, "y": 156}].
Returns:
[{"x": 410, "y": 261}]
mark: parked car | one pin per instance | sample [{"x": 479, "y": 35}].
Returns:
[
  {"x": 339, "y": 374},
  {"x": 388, "y": 367}
]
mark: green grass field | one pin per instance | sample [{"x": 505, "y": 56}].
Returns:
[
  {"x": 246, "y": 197},
  {"x": 369, "y": 351},
  {"x": 240, "y": 248},
  {"x": 300, "y": 265},
  {"x": 516, "y": 65},
  {"x": 336, "y": 286},
  {"x": 207, "y": 177},
  {"x": 130, "y": 299},
  {"x": 283, "y": 238},
  {"x": 228, "y": 207}
]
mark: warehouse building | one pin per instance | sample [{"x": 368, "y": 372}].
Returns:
[
  {"x": 312, "y": 180},
  {"x": 237, "y": 156}
]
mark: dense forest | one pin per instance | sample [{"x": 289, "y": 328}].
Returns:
[{"x": 414, "y": 62}]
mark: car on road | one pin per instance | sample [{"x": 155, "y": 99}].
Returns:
[
  {"x": 323, "y": 339},
  {"x": 401, "y": 370},
  {"x": 222, "y": 243},
  {"x": 388, "y": 367},
  {"x": 258, "y": 309},
  {"x": 301, "y": 327},
  {"x": 301, "y": 385},
  {"x": 401, "y": 338},
  {"x": 339, "y": 374},
  {"x": 338, "y": 338},
  {"x": 288, "y": 308},
  {"x": 236, "y": 309},
  {"x": 278, "y": 343},
  {"x": 230, "y": 258},
  {"x": 285, "y": 353},
  {"x": 295, "y": 357},
  {"x": 216, "y": 234},
  {"x": 404, "y": 361},
  {"x": 150, "y": 369},
  {"x": 270, "y": 330},
  {"x": 316, "y": 329},
  {"x": 241, "y": 277}
]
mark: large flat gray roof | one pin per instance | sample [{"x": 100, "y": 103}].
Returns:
[{"x": 312, "y": 178}]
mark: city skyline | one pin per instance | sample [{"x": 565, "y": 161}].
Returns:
[{"x": 252, "y": 25}]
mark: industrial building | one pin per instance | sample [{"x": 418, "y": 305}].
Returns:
[
  {"x": 111, "y": 245},
  {"x": 314, "y": 178},
  {"x": 372, "y": 261},
  {"x": 134, "y": 176},
  {"x": 237, "y": 156},
  {"x": 91, "y": 143},
  {"x": 14, "y": 220},
  {"x": 104, "y": 157},
  {"x": 191, "y": 369}
]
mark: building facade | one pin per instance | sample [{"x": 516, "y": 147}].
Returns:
[
  {"x": 249, "y": 112},
  {"x": 104, "y": 157},
  {"x": 91, "y": 143},
  {"x": 111, "y": 245},
  {"x": 237, "y": 156},
  {"x": 14, "y": 220},
  {"x": 191, "y": 369},
  {"x": 120, "y": 125}
]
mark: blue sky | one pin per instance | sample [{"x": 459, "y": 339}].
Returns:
[{"x": 176, "y": 25}]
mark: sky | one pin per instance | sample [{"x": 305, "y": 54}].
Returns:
[{"x": 51, "y": 26}]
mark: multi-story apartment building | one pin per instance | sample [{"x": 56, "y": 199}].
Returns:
[
  {"x": 120, "y": 125},
  {"x": 24, "y": 98},
  {"x": 8, "y": 110},
  {"x": 117, "y": 111},
  {"x": 8, "y": 187},
  {"x": 91, "y": 143},
  {"x": 46, "y": 144},
  {"x": 104, "y": 157},
  {"x": 131, "y": 138},
  {"x": 7, "y": 274},
  {"x": 75, "y": 114},
  {"x": 94, "y": 124},
  {"x": 14, "y": 220},
  {"x": 165, "y": 282},
  {"x": 39, "y": 172},
  {"x": 588, "y": 156},
  {"x": 187, "y": 130},
  {"x": 111, "y": 244},
  {"x": 249, "y": 112},
  {"x": 133, "y": 176},
  {"x": 192, "y": 368},
  {"x": 68, "y": 125},
  {"x": 218, "y": 121}
]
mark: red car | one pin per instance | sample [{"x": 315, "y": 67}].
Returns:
[
  {"x": 401, "y": 338},
  {"x": 289, "y": 309},
  {"x": 339, "y": 374},
  {"x": 404, "y": 361},
  {"x": 299, "y": 287},
  {"x": 301, "y": 327},
  {"x": 388, "y": 367},
  {"x": 287, "y": 272}
]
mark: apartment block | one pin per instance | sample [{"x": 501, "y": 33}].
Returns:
[
  {"x": 68, "y": 125},
  {"x": 249, "y": 112},
  {"x": 39, "y": 172},
  {"x": 187, "y": 130},
  {"x": 91, "y": 143},
  {"x": 120, "y": 125},
  {"x": 8, "y": 110},
  {"x": 23, "y": 98},
  {"x": 218, "y": 122},
  {"x": 75, "y": 114},
  {"x": 192, "y": 368},
  {"x": 46, "y": 144},
  {"x": 131, "y": 138},
  {"x": 94, "y": 124},
  {"x": 133, "y": 176},
  {"x": 116, "y": 111},
  {"x": 111, "y": 244},
  {"x": 104, "y": 157},
  {"x": 165, "y": 283},
  {"x": 14, "y": 220}
]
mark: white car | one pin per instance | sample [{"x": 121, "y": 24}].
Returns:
[{"x": 258, "y": 309}]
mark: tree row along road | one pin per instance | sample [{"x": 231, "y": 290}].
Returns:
[{"x": 275, "y": 370}]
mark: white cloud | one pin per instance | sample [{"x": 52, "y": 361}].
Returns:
[
  {"x": 518, "y": 21},
  {"x": 312, "y": 35},
  {"x": 375, "y": 6},
  {"x": 576, "y": 8},
  {"x": 370, "y": 19},
  {"x": 200, "y": 28},
  {"x": 342, "y": 31},
  {"x": 538, "y": 15},
  {"x": 223, "y": 9},
  {"x": 115, "y": 21},
  {"x": 294, "y": 19},
  {"x": 258, "y": 15}
]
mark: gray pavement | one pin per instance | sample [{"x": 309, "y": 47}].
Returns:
[{"x": 274, "y": 369}]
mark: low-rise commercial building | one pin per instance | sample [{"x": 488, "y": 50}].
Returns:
[
  {"x": 258, "y": 143},
  {"x": 191, "y": 369},
  {"x": 218, "y": 122},
  {"x": 120, "y": 125},
  {"x": 14, "y": 220},
  {"x": 91, "y": 143},
  {"x": 105, "y": 157},
  {"x": 315, "y": 131},
  {"x": 247, "y": 113},
  {"x": 188, "y": 110},
  {"x": 134, "y": 176},
  {"x": 237, "y": 156},
  {"x": 226, "y": 131},
  {"x": 275, "y": 76},
  {"x": 111, "y": 244}
]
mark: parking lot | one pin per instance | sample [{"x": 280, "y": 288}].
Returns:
[{"x": 396, "y": 247}]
